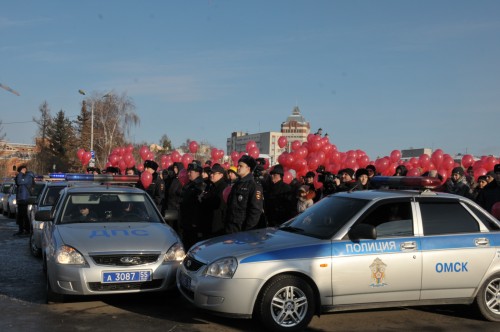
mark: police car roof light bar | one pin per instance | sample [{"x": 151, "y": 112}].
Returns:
[{"x": 416, "y": 182}]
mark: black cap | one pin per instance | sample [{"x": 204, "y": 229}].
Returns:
[
  {"x": 497, "y": 168},
  {"x": 372, "y": 167},
  {"x": 151, "y": 164},
  {"x": 309, "y": 174},
  {"x": 458, "y": 170},
  {"x": 112, "y": 169},
  {"x": 249, "y": 161},
  {"x": 361, "y": 171},
  {"x": 218, "y": 168},
  {"x": 195, "y": 165},
  {"x": 278, "y": 169},
  {"x": 348, "y": 171}
]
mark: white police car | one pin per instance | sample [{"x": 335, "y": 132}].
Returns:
[
  {"x": 357, "y": 250},
  {"x": 107, "y": 240}
]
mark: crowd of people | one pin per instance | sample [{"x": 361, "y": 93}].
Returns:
[{"x": 216, "y": 201}]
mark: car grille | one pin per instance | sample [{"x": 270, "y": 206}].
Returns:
[
  {"x": 100, "y": 287},
  {"x": 192, "y": 264},
  {"x": 125, "y": 259}
]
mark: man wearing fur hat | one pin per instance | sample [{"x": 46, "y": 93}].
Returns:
[
  {"x": 457, "y": 183},
  {"x": 277, "y": 203},
  {"x": 362, "y": 180},
  {"x": 156, "y": 189},
  {"x": 245, "y": 201}
]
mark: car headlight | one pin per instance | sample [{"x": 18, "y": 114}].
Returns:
[
  {"x": 13, "y": 202},
  {"x": 69, "y": 256},
  {"x": 175, "y": 253},
  {"x": 38, "y": 224},
  {"x": 222, "y": 268}
]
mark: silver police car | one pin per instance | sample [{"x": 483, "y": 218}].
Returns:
[
  {"x": 352, "y": 250},
  {"x": 107, "y": 240}
]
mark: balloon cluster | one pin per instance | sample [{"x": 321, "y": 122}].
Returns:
[
  {"x": 121, "y": 158},
  {"x": 317, "y": 150},
  {"x": 83, "y": 156}
]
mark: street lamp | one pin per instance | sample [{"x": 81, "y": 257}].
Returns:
[{"x": 92, "y": 161}]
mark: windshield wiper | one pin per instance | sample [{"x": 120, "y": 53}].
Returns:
[{"x": 292, "y": 229}]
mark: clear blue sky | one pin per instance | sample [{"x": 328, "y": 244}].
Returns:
[{"x": 375, "y": 75}]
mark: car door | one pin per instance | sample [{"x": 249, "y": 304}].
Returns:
[
  {"x": 381, "y": 270},
  {"x": 456, "y": 249}
]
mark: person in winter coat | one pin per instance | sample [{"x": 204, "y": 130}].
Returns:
[
  {"x": 24, "y": 181},
  {"x": 362, "y": 180},
  {"x": 305, "y": 198},
  {"x": 457, "y": 183},
  {"x": 212, "y": 202},
  {"x": 193, "y": 223},
  {"x": 277, "y": 198},
  {"x": 245, "y": 201},
  {"x": 491, "y": 192}
]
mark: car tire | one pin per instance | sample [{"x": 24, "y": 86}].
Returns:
[
  {"x": 51, "y": 296},
  {"x": 286, "y": 303},
  {"x": 488, "y": 298},
  {"x": 37, "y": 252}
]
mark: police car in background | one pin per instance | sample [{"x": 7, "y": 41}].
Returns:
[
  {"x": 122, "y": 246},
  {"x": 352, "y": 250}
]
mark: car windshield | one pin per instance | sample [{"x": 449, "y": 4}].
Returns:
[
  {"x": 51, "y": 195},
  {"x": 108, "y": 207},
  {"x": 6, "y": 188},
  {"x": 325, "y": 218}
]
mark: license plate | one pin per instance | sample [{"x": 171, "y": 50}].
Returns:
[
  {"x": 185, "y": 280},
  {"x": 129, "y": 276}
]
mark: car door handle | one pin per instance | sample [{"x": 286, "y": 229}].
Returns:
[
  {"x": 411, "y": 245},
  {"x": 482, "y": 242}
]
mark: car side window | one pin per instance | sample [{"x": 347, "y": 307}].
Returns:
[
  {"x": 391, "y": 219},
  {"x": 446, "y": 218}
]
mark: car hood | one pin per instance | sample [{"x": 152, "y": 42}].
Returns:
[
  {"x": 245, "y": 245},
  {"x": 100, "y": 237}
]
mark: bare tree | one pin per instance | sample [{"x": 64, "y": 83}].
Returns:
[
  {"x": 113, "y": 117},
  {"x": 41, "y": 160}
]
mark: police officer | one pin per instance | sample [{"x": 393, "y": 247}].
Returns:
[
  {"x": 245, "y": 201},
  {"x": 193, "y": 223},
  {"x": 156, "y": 189},
  {"x": 278, "y": 198}
]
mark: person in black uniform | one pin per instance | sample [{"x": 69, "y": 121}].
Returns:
[
  {"x": 191, "y": 217},
  {"x": 245, "y": 201},
  {"x": 277, "y": 199}
]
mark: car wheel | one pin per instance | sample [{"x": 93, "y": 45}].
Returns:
[
  {"x": 37, "y": 252},
  {"x": 51, "y": 296},
  {"x": 286, "y": 303},
  {"x": 488, "y": 298}
]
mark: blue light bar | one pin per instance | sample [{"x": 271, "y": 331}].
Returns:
[
  {"x": 416, "y": 182},
  {"x": 57, "y": 175},
  {"x": 102, "y": 178}
]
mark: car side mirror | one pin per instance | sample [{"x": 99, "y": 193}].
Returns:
[
  {"x": 362, "y": 231},
  {"x": 43, "y": 216}
]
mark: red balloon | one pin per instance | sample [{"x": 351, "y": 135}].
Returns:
[
  {"x": 295, "y": 145},
  {"x": 186, "y": 159},
  {"x": 395, "y": 155},
  {"x": 146, "y": 179},
  {"x": 254, "y": 152},
  {"x": 282, "y": 141},
  {"x": 225, "y": 193},
  {"x": 140, "y": 167},
  {"x": 413, "y": 172},
  {"x": 287, "y": 177},
  {"x": 250, "y": 145},
  {"x": 129, "y": 148},
  {"x": 479, "y": 172},
  {"x": 122, "y": 165},
  {"x": 193, "y": 146},
  {"x": 467, "y": 161},
  {"x": 437, "y": 157},
  {"x": 235, "y": 155},
  {"x": 183, "y": 176},
  {"x": 86, "y": 158},
  {"x": 113, "y": 159},
  {"x": 176, "y": 156},
  {"x": 143, "y": 152},
  {"x": 80, "y": 153}
]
